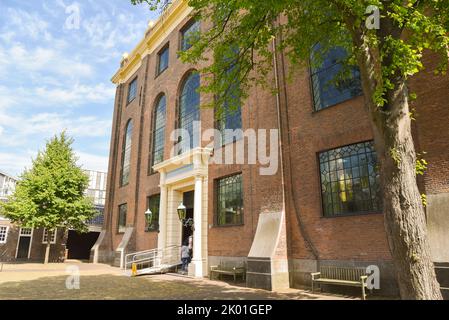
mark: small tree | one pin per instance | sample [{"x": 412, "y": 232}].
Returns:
[{"x": 51, "y": 193}]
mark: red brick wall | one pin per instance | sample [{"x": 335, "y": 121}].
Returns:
[{"x": 358, "y": 237}]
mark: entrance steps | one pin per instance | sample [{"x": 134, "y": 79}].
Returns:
[{"x": 153, "y": 261}]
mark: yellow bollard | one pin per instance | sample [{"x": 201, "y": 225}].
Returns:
[{"x": 134, "y": 270}]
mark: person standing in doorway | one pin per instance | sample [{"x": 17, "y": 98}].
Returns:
[{"x": 185, "y": 257}]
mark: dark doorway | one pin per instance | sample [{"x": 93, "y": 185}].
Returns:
[
  {"x": 79, "y": 244},
  {"x": 188, "y": 200},
  {"x": 24, "y": 247}
]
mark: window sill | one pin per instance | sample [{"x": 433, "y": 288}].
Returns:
[
  {"x": 335, "y": 104},
  {"x": 160, "y": 72},
  {"x": 354, "y": 214},
  {"x": 229, "y": 143},
  {"x": 129, "y": 102},
  {"x": 228, "y": 225}
]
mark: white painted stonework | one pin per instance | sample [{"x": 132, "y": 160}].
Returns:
[{"x": 184, "y": 173}]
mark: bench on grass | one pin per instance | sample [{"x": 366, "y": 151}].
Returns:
[
  {"x": 227, "y": 269},
  {"x": 343, "y": 276}
]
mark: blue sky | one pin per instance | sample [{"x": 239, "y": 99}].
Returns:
[{"x": 55, "y": 74}]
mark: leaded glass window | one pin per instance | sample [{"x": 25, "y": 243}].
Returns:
[
  {"x": 350, "y": 180},
  {"x": 126, "y": 154},
  {"x": 230, "y": 200},
  {"x": 122, "y": 212},
  {"x": 163, "y": 60},
  {"x": 230, "y": 115},
  {"x": 159, "y": 131},
  {"x": 189, "y": 111},
  {"x": 189, "y": 35},
  {"x": 328, "y": 86},
  {"x": 132, "y": 90},
  {"x": 153, "y": 204}
]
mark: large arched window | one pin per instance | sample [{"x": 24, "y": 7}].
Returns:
[
  {"x": 126, "y": 153},
  {"x": 189, "y": 110},
  {"x": 158, "y": 135}
]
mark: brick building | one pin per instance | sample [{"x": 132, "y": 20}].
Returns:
[
  {"x": 329, "y": 213},
  {"x": 25, "y": 244}
]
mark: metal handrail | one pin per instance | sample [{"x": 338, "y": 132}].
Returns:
[{"x": 154, "y": 257}]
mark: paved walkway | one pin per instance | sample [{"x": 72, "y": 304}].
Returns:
[{"x": 103, "y": 282}]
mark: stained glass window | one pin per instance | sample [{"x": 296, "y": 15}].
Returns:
[
  {"x": 126, "y": 154},
  {"x": 230, "y": 200},
  {"x": 159, "y": 131},
  {"x": 350, "y": 180},
  {"x": 328, "y": 88}
]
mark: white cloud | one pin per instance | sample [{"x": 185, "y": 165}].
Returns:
[
  {"x": 92, "y": 162},
  {"x": 56, "y": 97},
  {"x": 30, "y": 24},
  {"x": 106, "y": 32},
  {"x": 15, "y": 163},
  {"x": 48, "y": 60},
  {"x": 20, "y": 130}
]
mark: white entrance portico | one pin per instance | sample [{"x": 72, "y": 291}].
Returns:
[{"x": 184, "y": 173}]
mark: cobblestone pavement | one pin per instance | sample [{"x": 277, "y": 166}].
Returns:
[{"x": 102, "y": 282}]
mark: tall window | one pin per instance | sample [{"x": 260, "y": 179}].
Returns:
[
  {"x": 53, "y": 236},
  {"x": 3, "y": 234},
  {"x": 330, "y": 84},
  {"x": 126, "y": 154},
  {"x": 229, "y": 200},
  {"x": 122, "y": 211},
  {"x": 163, "y": 58},
  {"x": 350, "y": 180},
  {"x": 132, "y": 90},
  {"x": 189, "y": 35},
  {"x": 159, "y": 131},
  {"x": 189, "y": 110},
  {"x": 153, "y": 205},
  {"x": 230, "y": 115}
]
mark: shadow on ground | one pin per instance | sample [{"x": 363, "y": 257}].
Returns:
[{"x": 109, "y": 287}]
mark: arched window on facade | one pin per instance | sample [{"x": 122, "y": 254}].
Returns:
[
  {"x": 126, "y": 154},
  {"x": 158, "y": 134},
  {"x": 189, "y": 112}
]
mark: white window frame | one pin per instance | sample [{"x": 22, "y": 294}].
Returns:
[
  {"x": 5, "y": 233},
  {"x": 22, "y": 234},
  {"x": 45, "y": 233}
]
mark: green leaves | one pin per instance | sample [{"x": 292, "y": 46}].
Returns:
[{"x": 51, "y": 193}]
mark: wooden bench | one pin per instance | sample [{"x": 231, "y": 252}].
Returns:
[
  {"x": 355, "y": 277},
  {"x": 228, "y": 269}
]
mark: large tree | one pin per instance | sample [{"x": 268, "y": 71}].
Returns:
[
  {"x": 51, "y": 194},
  {"x": 387, "y": 53}
]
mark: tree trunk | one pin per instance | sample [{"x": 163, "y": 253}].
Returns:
[
  {"x": 47, "y": 248},
  {"x": 405, "y": 221}
]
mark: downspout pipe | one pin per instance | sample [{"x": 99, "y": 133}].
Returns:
[{"x": 281, "y": 148}]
